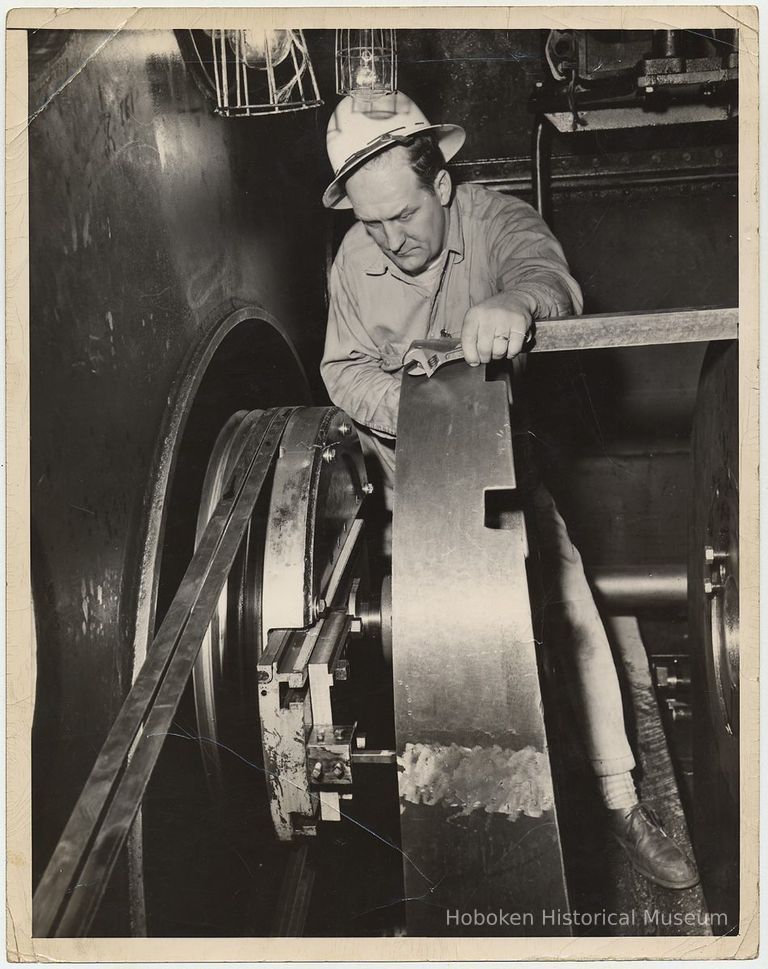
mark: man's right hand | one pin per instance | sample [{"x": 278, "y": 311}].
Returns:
[{"x": 495, "y": 329}]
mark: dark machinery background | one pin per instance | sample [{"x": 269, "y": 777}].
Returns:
[{"x": 171, "y": 248}]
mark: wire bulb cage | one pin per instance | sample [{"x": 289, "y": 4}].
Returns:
[
  {"x": 366, "y": 63},
  {"x": 258, "y": 72}
]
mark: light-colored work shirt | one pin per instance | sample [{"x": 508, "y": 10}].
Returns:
[{"x": 495, "y": 243}]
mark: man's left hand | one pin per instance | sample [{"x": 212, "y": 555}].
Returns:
[{"x": 495, "y": 328}]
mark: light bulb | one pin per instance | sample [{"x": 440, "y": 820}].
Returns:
[{"x": 255, "y": 43}]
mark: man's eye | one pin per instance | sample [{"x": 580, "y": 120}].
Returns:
[{"x": 405, "y": 216}]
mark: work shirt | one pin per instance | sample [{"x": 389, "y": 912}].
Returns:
[{"x": 495, "y": 243}]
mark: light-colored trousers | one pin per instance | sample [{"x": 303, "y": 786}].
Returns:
[{"x": 569, "y": 604}]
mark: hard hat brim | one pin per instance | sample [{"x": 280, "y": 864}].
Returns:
[{"x": 450, "y": 138}]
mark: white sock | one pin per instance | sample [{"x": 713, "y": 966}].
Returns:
[{"x": 618, "y": 790}]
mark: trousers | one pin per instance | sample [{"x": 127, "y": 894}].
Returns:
[{"x": 568, "y": 605}]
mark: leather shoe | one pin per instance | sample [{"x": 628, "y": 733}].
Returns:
[{"x": 653, "y": 853}]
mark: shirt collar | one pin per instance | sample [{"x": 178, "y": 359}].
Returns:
[{"x": 379, "y": 265}]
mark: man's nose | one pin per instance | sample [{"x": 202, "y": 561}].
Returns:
[{"x": 395, "y": 236}]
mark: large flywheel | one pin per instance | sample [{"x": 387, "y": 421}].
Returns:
[
  {"x": 713, "y": 600},
  {"x": 262, "y": 674}
]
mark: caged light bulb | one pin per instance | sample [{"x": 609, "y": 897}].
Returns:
[{"x": 252, "y": 46}]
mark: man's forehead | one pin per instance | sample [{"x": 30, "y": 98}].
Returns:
[{"x": 385, "y": 183}]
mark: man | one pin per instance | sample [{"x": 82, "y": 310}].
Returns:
[{"x": 423, "y": 261}]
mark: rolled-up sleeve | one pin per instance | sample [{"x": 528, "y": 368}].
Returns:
[
  {"x": 526, "y": 258},
  {"x": 351, "y": 364}
]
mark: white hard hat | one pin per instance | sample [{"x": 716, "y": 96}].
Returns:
[{"x": 359, "y": 128}]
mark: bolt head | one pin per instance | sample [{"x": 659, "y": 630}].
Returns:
[
  {"x": 356, "y": 627},
  {"x": 329, "y": 454},
  {"x": 342, "y": 670},
  {"x": 368, "y": 488}
]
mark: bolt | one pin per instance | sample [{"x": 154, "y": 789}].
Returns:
[
  {"x": 360, "y": 741},
  {"x": 317, "y": 771},
  {"x": 679, "y": 711},
  {"x": 649, "y": 89},
  {"x": 329, "y": 454},
  {"x": 338, "y": 769},
  {"x": 356, "y": 627},
  {"x": 368, "y": 488},
  {"x": 338, "y": 733},
  {"x": 711, "y": 556},
  {"x": 320, "y": 607},
  {"x": 320, "y": 735},
  {"x": 711, "y": 588},
  {"x": 342, "y": 670},
  {"x": 345, "y": 429}
]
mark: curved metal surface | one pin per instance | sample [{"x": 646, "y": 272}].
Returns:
[
  {"x": 317, "y": 490},
  {"x": 713, "y": 616},
  {"x": 282, "y": 356},
  {"x": 316, "y": 493},
  {"x": 468, "y": 708},
  {"x": 101, "y": 820},
  {"x": 144, "y": 237},
  {"x": 714, "y": 552},
  {"x": 208, "y": 671}
]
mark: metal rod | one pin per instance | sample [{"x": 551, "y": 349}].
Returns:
[
  {"x": 224, "y": 76},
  {"x": 219, "y": 100},
  {"x": 542, "y": 149},
  {"x": 636, "y": 329},
  {"x": 239, "y": 59},
  {"x": 374, "y": 756},
  {"x": 599, "y": 332},
  {"x": 104, "y": 811},
  {"x": 623, "y": 590}
]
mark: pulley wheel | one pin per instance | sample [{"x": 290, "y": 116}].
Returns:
[{"x": 224, "y": 676}]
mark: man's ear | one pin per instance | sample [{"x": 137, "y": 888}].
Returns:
[{"x": 443, "y": 186}]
